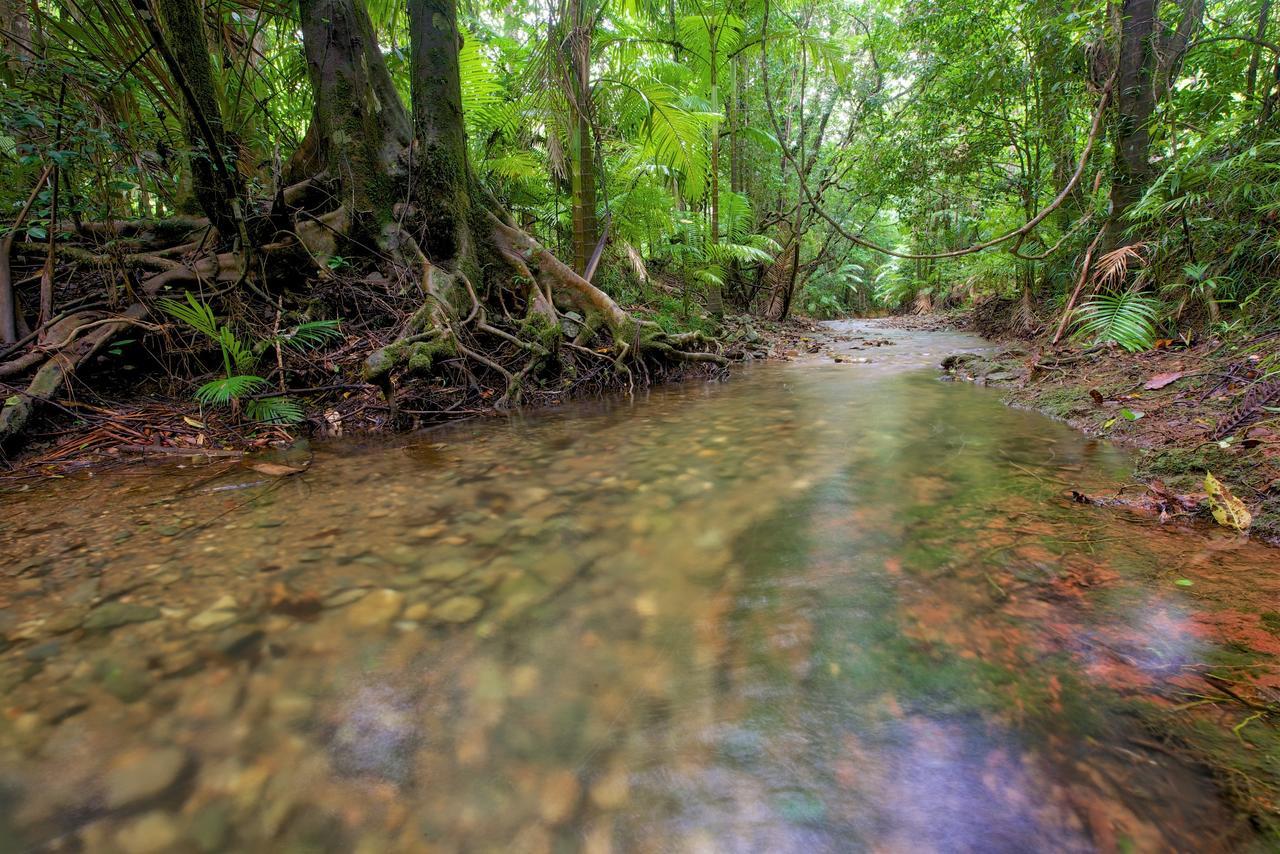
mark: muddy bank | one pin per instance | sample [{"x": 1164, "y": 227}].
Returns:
[{"x": 1189, "y": 411}]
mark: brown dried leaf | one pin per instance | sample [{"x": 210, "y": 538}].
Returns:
[{"x": 1161, "y": 380}]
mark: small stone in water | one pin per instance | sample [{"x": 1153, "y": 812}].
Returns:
[
  {"x": 559, "y": 796},
  {"x": 459, "y": 609},
  {"x": 417, "y": 612},
  {"x": 153, "y": 832},
  {"x": 345, "y": 597},
  {"x": 141, "y": 775},
  {"x": 376, "y": 610},
  {"x": 115, "y": 614}
]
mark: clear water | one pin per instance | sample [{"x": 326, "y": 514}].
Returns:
[{"x": 821, "y": 607}]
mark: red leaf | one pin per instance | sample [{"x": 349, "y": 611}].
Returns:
[{"x": 1162, "y": 380}]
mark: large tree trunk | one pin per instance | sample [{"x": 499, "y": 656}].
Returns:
[
  {"x": 441, "y": 174},
  {"x": 361, "y": 129}
]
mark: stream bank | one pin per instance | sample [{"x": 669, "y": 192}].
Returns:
[{"x": 1187, "y": 410}]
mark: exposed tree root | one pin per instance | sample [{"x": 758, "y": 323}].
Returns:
[{"x": 79, "y": 336}]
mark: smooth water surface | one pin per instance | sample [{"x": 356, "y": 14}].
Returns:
[{"x": 817, "y": 608}]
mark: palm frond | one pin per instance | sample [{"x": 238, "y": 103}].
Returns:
[
  {"x": 221, "y": 392},
  {"x": 274, "y": 410},
  {"x": 1127, "y": 319}
]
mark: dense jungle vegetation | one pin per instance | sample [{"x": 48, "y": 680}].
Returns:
[{"x": 471, "y": 204}]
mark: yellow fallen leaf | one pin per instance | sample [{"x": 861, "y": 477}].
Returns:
[
  {"x": 192, "y": 422},
  {"x": 1228, "y": 511}
]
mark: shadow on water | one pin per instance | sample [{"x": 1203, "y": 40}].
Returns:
[{"x": 817, "y": 608}]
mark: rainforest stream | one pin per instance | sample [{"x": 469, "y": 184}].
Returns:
[{"x": 818, "y": 607}]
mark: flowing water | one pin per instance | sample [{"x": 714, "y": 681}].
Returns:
[{"x": 821, "y": 607}]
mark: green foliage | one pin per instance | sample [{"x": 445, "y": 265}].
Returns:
[
  {"x": 240, "y": 358},
  {"x": 1127, "y": 319}
]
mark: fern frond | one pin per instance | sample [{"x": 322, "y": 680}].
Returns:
[
  {"x": 221, "y": 392},
  {"x": 313, "y": 333},
  {"x": 274, "y": 410},
  {"x": 196, "y": 314},
  {"x": 1128, "y": 319}
]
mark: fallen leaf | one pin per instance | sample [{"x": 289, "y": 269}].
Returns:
[
  {"x": 275, "y": 469},
  {"x": 1161, "y": 380},
  {"x": 1228, "y": 511},
  {"x": 1097, "y": 396},
  {"x": 193, "y": 422}
]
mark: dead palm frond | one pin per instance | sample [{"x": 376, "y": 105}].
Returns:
[{"x": 1113, "y": 267}]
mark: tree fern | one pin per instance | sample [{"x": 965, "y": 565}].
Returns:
[{"x": 1127, "y": 319}]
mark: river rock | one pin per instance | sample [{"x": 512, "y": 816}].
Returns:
[
  {"x": 559, "y": 796},
  {"x": 112, "y": 615},
  {"x": 141, "y": 775},
  {"x": 612, "y": 790},
  {"x": 445, "y": 570},
  {"x": 148, "y": 834},
  {"x": 459, "y": 609},
  {"x": 345, "y": 596},
  {"x": 376, "y": 610},
  {"x": 220, "y": 614},
  {"x": 417, "y": 612},
  {"x": 210, "y": 826},
  {"x": 124, "y": 680},
  {"x": 67, "y": 620}
]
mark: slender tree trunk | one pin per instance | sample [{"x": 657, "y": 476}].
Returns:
[
  {"x": 585, "y": 225},
  {"x": 15, "y": 38},
  {"x": 715, "y": 299},
  {"x": 1255, "y": 56},
  {"x": 185, "y": 42},
  {"x": 1135, "y": 102}
]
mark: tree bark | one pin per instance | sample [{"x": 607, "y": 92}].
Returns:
[
  {"x": 441, "y": 174},
  {"x": 215, "y": 178},
  {"x": 582, "y": 143},
  {"x": 1135, "y": 102},
  {"x": 361, "y": 126},
  {"x": 715, "y": 298}
]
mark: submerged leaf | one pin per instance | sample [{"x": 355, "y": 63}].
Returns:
[{"x": 1228, "y": 511}]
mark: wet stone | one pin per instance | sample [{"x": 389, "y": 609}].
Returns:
[
  {"x": 152, "y": 833},
  {"x": 143, "y": 775},
  {"x": 211, "y": 826},
  {"x": 458, "y": 609},
  {"x": 125, "y": 681},
  {"x": 67, "y": 620},
  {"x": 112, "y": 615},
  {"x": 376, "y": 610}
]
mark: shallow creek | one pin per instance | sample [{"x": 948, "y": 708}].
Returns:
[{"x": 820, "y": 607}]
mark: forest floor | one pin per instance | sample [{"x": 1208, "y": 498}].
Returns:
[{"x": 1189, "y": 409}]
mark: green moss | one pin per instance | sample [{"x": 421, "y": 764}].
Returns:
[
  {"x": 540, "y": 329},
  {"x": 1271, "y": 621},
  {"x": 419, "y": 356},
  {"x": 1065, "y": 402},
  {"x": 423, "y": 354},
  {"x": 1179, "y": 463}
]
